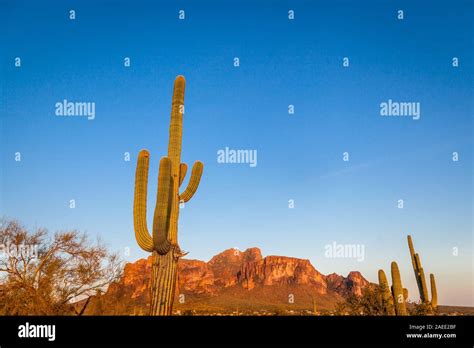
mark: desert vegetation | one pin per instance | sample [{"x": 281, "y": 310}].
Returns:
[
  {"x": 386, "y": 300},
  {"x": 44, "y": 274},
  {"x": 65, "y": 274}
]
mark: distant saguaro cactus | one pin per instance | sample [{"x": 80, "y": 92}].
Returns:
[
  {"x": 397, "y": 291},
  {"x": 420, "y": 278},
  {"x": 434, "y": 292},
  {"x": 164, "y": 241},
  {"x": 387, "y": 299},
  {"x": 314, "y": 305},
  {"x": 419, "y": 272}
]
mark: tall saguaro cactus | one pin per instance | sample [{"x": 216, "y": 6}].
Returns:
[
  {"x": 163, "y": 242},
  {"x": 419, "y": 272},
  {"x": 397, "y": 290}
]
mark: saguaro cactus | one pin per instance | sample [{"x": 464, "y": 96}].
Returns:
[
  {"x": 387, "y": 299},
  {"x": 434, "y": 292},
  {"x": 314, "y": 305},
  {"x": 164, "y": 241},
  {"x": 419, "y": 272},
  {"x": 420, "y": 278},
  {"x": 397, "y": 291}
]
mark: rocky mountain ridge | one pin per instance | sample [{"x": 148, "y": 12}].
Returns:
[{"x": 242, "y": 279}]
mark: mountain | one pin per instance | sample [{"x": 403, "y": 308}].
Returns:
[{"x": 233, "y": 281}]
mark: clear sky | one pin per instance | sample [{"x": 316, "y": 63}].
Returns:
[{"x": 300, "y": 156}]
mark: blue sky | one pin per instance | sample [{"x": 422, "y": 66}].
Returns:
[{"x": 282, "y": 62}]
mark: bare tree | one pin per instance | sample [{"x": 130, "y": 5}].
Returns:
[{"x": 42, "y": 275}]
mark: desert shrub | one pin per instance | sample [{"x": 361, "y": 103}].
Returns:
[
  {"x": 369, "y": 303},
  {"x": 421, "y": 309},
  {"x": 44, "y": 275}
]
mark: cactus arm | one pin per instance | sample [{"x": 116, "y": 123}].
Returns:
[
  {"x": 415, "y": 267},
  {"x": 142, "y": 235},
  {"x": 183, "y": 168},
  {"x": 417, "y": 261},
  {"x": 387, "y": 299},
  {"x": 434, "y": 292},
  {"x": 397, "y": 289},
  {"x": 412, "y": 252},
  {"x": 162, "y": 208},
  {"x": 193, "y": 184}
]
